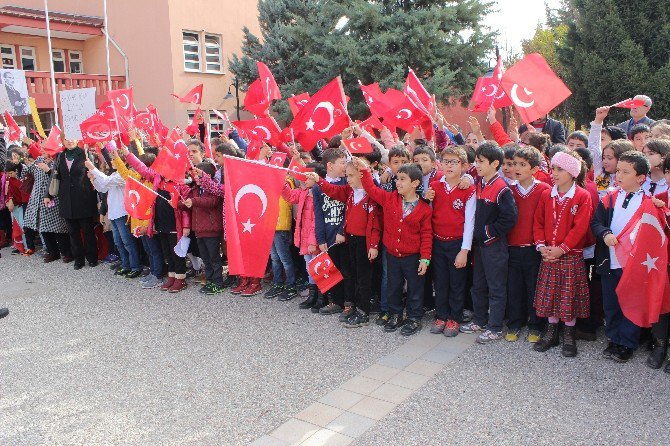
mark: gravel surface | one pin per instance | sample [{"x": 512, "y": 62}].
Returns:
[
  {"x": 507, "y": 394},
  {"x": 87, "y": 358}
]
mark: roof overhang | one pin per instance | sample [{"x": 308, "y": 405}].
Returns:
[{"x": 32, "y": 22}]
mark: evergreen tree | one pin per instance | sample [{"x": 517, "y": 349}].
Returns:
[{"x": 308, "y": 42}]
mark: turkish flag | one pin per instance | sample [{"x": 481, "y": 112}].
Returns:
[
  {"x": 418, "y": 94},
  {"x": 106, "y": 112},
  {"x": 296, "y": 103},
  {"x": 192, "y": 97},
  {"x": 533, "y": 87},
  {"x": 324, "y": 116},
  {"x": 254, "y": 149},
  {"x": 149, "y": 121},
  {"x": 277, "y": 159},
  {"x": 488, "y": 92},
  {"x": 138, "y": 199},
  {"x": 175, "y": 196},
  {"x": 358, "y": 145},
  {"x": 270, "y": 87},
  {"x": 14, "y": 131},
  {"x": 406, "y": 116},
  {"x": 255, "y": 101},
  {"x": 192, "y": 129},
  {"x": 17, "y": 235},
  {"x": 53, "y": 144},
  {"x": 643, "y": 289},
  {"x": 324, "y": 272},
  {"x": 297, "y": 170},
  {"x": 371, "y": 124},
  {"x": 172, "y": 161},
  {"x": 629, "y": 103},
  {"x": 208, "y": 147},
  {"x": 251, "y": 205},
  {"x": 96, "y": 129},
  {"x": 122, "y": 102},
  {"x": 265, "y": 129}
]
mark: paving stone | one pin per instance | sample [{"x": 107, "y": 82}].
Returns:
[
  {"x": 380, "y": 372},
  {"x": 295, "y": 431},
  {"x": 392, "y": 393},
  {"x": 319, "y": 414},
  {"x": 361, "y": 384},
  {"x": 351, "y": 424},
  {"x": 325, "y": 437},
  {"x": 409, "y": 380},
  {"x": 372, "y": 408},
  {"x": 341, "y": 398},
  {"x": 423, "y": 367}
]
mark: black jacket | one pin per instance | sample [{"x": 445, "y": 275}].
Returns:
[
  {"x": 76, "y": 196},
  {"x": 556, "y": 130}
]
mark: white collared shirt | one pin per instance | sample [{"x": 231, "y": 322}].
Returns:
[
  {"x": 569, "y": 194},
  {"x": 525, "y": 191},
  {"x": 359, "y": 194},
  {"x": 621, "y": 217},
  {"x": 661, "y": 186}
]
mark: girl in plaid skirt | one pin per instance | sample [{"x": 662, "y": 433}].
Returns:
[{"x": 561, "y": 223}]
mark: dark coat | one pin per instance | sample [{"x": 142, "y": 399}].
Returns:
[
  {"x": 556, "y": 130},
  {"x": 76, "y": 196}
]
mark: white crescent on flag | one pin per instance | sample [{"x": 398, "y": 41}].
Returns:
[{"x": 515, "y": 97}]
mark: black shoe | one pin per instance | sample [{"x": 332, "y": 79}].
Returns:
[
  {"x": 622, "y": 354},
  {"x": 133, "y": 274},
  {"x": 78, "y": 266},
  {"x": 375, "y": 305},
  {"x": 320, "y": 302},
  {"x": 67, "y": 259},
  {"x": 585, "y": 335},
  {"x": 357, "y": 319},
  {"x": 331, "y": 308},
  {"x": 395, "y": 321},
  {"x": 549, "y": 339},
  {"x": 611, "y": 348},
  {"x": 383, "y": 318},
  {"x": 349, "y": 309},
  {"x": 287, "y": 294},
  {"x": 3, "y": 312},
  {"x": 115, "y": 265},
  {"x": 205, "y": 288},
  {"x": 311, "y": 298},
  {"x": 121, "y": 272},
  {"x": 230, "y": 281},
  {"x": 93, "y": 264},
  {"x": 49, "y": 258},
  {"x": 411, "y": 327},
  {"x": 569, "y": 349},
  {"x": 658, "y": 354},
  {"x": 274, "y": 291},
  {"x": 667, "y": 368}
]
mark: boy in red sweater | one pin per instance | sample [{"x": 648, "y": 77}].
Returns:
[
  {"x": 15, "y": 199},
  {"x": 408, "y": 243},
  {"x": 362, "y": 229},
  {"x": 453, "y": 224},
  {"x": 524, "y": 259}
]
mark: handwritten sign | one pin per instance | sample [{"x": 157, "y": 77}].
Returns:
[{"x": 76, "y": 105}]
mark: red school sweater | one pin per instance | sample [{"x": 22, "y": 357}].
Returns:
[
  {"x": 449, "y": 210},
  {"x": 564, "y": 224},
  {"x": 403, "y": 236},
  {"x": 522, "y": 233},
  {"x": 362, "y": 219}
]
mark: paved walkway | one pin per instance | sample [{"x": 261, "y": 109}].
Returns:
[{"x": 87, "y": 358}]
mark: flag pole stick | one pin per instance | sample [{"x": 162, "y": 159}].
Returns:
[
  {"x": 51, "y": 63},
  {"x": 106, "y": 24}
]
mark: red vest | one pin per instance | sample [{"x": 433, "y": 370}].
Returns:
[
  {"x": 449, "y": 210},
  {"x": 522, "y": 233}
]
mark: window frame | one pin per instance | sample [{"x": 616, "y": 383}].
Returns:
[
  {"x": 219, "y": 53},
  {"x": 80, "y": 61},
  {"x": 185, "y": 52},
  {"x": 34, "y": 56},
  {"x": 4, "y": 56},
  {"x": 53, "y": 60}
]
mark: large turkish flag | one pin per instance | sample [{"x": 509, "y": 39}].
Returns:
[
  {"x": 251, "y": 204},
  {"x": 418, "y": 94},
  {"x": 138, "y": 199},
  {"x": 172, "y": 161},
  {"x": 122, "y": 102},
  {"x": 324, "y": 116},
  {"x": 265, "y": 129},
  {"x": 533, "y": 87}
]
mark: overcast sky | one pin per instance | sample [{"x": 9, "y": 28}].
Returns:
[{"x": 516, "y": 20}]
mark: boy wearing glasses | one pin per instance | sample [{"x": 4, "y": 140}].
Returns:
[{"x": 453, "y": 224}]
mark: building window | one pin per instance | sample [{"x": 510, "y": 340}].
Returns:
[
  {"x": 191, "y": 41},
  {"x": 212, "y": 53},
  {"x": 76, "y": 62},
  {"x": 8, "y": 56},
  {"x": 216, "y": 124},
  {"x": 28, "y": 59},
  {"x": 58, "y": 57}
]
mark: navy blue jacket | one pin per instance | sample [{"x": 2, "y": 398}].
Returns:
[{"x": 328, "y": 215}]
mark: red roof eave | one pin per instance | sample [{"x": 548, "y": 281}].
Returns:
[{"x": 7, "y": 20}]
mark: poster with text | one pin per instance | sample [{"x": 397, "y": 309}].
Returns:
[
  {"x": 77, "y": 105},
  {"x": 14, "y": 92}
]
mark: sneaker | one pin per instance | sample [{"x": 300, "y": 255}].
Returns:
[
  {"x": 489, "y": 336},
  {"x": 274, "y": 291},
  {"x": 451, "y": 329},
  {"x": 331, "y": 308},
  {"x": 470, "y": 327},
  {"x": 28, "y": 252},
  {"x": 114, "y": 266},
  {"x": 395, "y": 321},
  {"x": 230, "y": 281},
  {"x": 15, "y": 252},
  {"x": 203, "y": 289},
  {"x": 121, "y": 272},
  {"x": 111, "y": 258},
  {"x": 383, "y": 318},
  {"x": 147, "y": 278},
  {"x": 348, "y": 311},
  {"x": 411, "y": 327},
  {"x": 133, "y": 274},
  {"x": 178, "y": 285},
  {"x": 512, "y": 336},
  {"x": 154, "y": 282},
  {"x": 288, "y": 293},
  {"x": 214, "y": 289},
  {"x": 357, "y": 319},
  {"x": 167, "y": 284},
  {"x": 244, "y": 282},
  {"x": 253, "y": 288},
  {"x": 467, "y": 315},
  {"x": 533, "y": 336},
  {"x": 438, "y": 326}
]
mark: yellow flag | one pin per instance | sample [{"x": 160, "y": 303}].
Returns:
[{"x": 36, "y": 117}]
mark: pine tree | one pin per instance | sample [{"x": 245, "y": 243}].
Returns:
[{"x": 308, "y": 42}]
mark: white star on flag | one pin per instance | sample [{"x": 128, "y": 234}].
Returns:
[
  {"x": 176, "y": 156},
  {"x": 310, "y": 124},
  {"x": 650, "y": 263},
  {"x": 247, "y": 226}
]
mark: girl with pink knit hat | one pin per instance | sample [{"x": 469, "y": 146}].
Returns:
[{"x": 561, "y": 224}]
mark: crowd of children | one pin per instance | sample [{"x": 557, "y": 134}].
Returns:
[{"x": 492, "y": 235}]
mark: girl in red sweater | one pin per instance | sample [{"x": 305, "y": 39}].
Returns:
[{"x": 561, "y": 225}]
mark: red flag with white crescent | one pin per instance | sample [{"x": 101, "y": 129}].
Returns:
[
  {"x": 172, "y": 161},
  {"x": 122, "y": 102},
  {"x": 533, "y": 87},
  {"x": 193, "y": 129},
  {"x": 255, "y": 101},
  {"x": 297, "y": 102},
  {"x": 297, "y": 170},
  {"x": 254, "y": 149},
  {"x": 324, "y": 272},
  {"x": 17, "y": 236},
  {"x": 358, "y": 146},
  {"x": 251, "y": 205},
  {"x": 96, "y": 129},
  {"x": 277, "y": 159},
  {"x": 265, "y": 129},
  {"x": 53, "y": 144},
  {"x": 270, "y": 87},
  {"x": 418, "y": 94},
  {"x": 138, "y": 199},
  {"x": 642, "y": 251},
  {"x": 629, "y": 103},
  {"x": 13, "y": 129},
  {"x": 194, "y": 96},
  {"x": 488, "y": 91}
]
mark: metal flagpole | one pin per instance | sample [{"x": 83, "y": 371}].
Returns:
[
  {"x": 109, "y": 68},
  {"x": 51, "y": 59}
]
